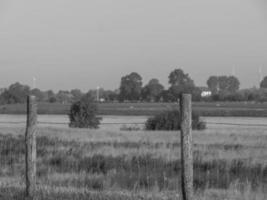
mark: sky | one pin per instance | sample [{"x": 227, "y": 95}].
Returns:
[{"x": 68, "y": 44}]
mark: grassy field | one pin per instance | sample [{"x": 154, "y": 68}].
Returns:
[
  {"x": 229, "y": 163},
  {"x": 243, "y": 109}
]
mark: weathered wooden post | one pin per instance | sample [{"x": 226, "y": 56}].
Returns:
[
  {"x": 186, "y": 146},
  {"x": 30, "y": 141}
]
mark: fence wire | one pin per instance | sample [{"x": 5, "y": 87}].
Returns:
[{"x": 136, "y": 123}]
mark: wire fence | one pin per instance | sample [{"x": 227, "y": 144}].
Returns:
[{"x": 138, "y": 123}]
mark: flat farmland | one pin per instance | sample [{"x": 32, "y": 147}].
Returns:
[
  {"x": 244, "y": 109},
  {"x": 75, "y": 164},
  {"x": 118, "y": 122}
]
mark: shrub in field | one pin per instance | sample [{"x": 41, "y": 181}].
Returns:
[
  {"x": 130, "y": 128},
  {"x": 83, "y": 113},
  {"x": 170, "y": 120}
]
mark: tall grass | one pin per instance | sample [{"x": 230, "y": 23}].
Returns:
[{"x": 116, "y": 165}]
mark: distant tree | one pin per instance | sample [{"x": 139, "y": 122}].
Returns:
[
  {"x": 92, "y": 93},
  {"x": 196, "y": 94},
  {"x": 263, "y": 83},
  {"x": 130, "y": 87},
  {"x": 152, "y": 91},
  {"x": 223, "y": 84},
  {"x": 50, "y": 96},
  {"x": 5, "y": 98},
  {"x": 228, "y": 84},
  {"x": 76, "y": 94},
  {"x": 83, "y": 113},
  {"x": 180, "y": 83},
  {"x": 166, "y": 96},
  {"x": 16, "y": 93},
  {"x": 252, "y": 94},
  {"x": 40, "y": 96},
  {"x": 233, "y": 84},
  {"x": 109, "y": 95},
  {"x": 52, "y": 99},
  {"x": 63, "y": 96},
  {"x": 213, "y": 84},
  {"x": 50, "y": 93}
]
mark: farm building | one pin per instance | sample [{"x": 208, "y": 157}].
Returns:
[{"x": 205, "y": 92}]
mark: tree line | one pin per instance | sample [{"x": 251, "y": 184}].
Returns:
[
  {"x": 17, "y": 93},
  {"x": 222, "y": 88}
]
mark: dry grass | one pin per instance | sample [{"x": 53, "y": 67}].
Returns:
[{"x": 231, "y": 152}]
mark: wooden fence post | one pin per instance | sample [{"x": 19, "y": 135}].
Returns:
[
  {"x": 30, "y": 141},
  {"x": 186, "y": 147}
]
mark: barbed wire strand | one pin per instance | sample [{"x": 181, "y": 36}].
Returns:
[{"x": 134, "y": 123}]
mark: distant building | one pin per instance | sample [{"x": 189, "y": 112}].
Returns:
[{"x": 205, "y": 92}]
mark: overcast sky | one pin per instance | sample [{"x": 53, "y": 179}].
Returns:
[{"x": 69, "y": 44}]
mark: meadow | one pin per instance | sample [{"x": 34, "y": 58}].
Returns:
[
  {"x": 241, "y": 109},
  {"x": 106, "y": 164}
]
